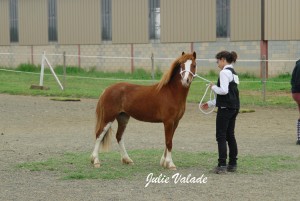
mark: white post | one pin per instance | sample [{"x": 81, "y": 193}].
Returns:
[
  {"x": 42, "y": 69},
  {"x": 44, "y": 59},
  {"x": 52, "y": 71}
]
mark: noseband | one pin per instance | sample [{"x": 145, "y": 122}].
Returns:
[{"x": 189, "y": 71}]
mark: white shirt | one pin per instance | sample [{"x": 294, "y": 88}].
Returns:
[{"x": 226, "y": 76}]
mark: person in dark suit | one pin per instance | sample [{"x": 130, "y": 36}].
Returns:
[
  {"x": 228, "y": 103},
  {"x": 295, "y": 82}
]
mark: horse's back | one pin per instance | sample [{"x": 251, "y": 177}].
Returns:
[
  {"x": 114, "y": 92},
  {"x": 125, "y": 92},
  {"x": 137, "y": 101}
]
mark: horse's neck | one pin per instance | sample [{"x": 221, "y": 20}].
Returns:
[{"x": 179, "y": 92}]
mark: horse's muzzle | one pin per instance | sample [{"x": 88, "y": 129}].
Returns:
[{"x": 186, "y": 82}]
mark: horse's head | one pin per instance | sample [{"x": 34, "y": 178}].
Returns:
[
  {"x": 188, "y": 69},
  {"x": 185, "y": 65}
]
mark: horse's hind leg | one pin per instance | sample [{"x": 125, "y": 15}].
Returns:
[
  {"x": 122, "y": 119},
  {"x": 95, "y": 154}
]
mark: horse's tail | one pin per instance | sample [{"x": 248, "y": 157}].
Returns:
[
  {"x": 105, "y": 130},
  {"x": 106, "y": 141}
]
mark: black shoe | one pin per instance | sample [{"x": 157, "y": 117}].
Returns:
[
  {"x": 219, "y": 170},
  {"x": 298, "y": 142},
  {"x": 231, "y": 168}
]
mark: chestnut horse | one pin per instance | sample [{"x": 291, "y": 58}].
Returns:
[{"x": 162, "y": 102}]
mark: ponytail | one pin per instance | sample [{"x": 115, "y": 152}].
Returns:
[
  {"x": 230, "y": 57},
  {"x": 233, "y": 56}
]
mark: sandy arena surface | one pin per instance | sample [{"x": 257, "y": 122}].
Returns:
[{"x": 36, "y": 128}]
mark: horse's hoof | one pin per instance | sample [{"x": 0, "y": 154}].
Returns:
[
  {"x": 95, "y": 162},
  {"x": 170, "y": 165},
  {"x": 92, "y": 159},
  {"x": 97, "y": 165},
  {"x": 172, "y": 168},
  {"x": 127, "y": 161}
]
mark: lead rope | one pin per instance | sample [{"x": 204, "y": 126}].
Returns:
[{"x": 210, "y": 96}]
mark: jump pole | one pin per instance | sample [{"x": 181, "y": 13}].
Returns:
[
  {"x": 44, "y": 59},
  {"x": 41, "y": 85}
]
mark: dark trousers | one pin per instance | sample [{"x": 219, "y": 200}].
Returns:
[
  {"x": 296, "y": 97},
  {"x": 225, "y": 132}
]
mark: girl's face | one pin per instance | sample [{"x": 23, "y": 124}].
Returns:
[{"x": 221, "y": 63}]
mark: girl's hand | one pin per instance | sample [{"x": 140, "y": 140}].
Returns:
[{"x": 204, "y": 106}]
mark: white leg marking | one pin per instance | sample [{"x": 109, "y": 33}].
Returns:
[
  {"x": 95, "y": 154},
  {"x": 105, "y": 129},
  {"x": 162, "y": 160},
  {"x": 167, "y": 161},
  {"x": 124, "y": 155},
  {"x": 170, "y": 164},
  {"x": 95, "y": 157}
]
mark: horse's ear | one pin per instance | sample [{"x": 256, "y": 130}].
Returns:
[
  {"x": 182, "y": 53},
  {"x": 194, "y": 54}
]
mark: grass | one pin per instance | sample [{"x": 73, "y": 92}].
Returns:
[
  {"x": 81, "y": 83},
  {"x": 76, "y": 166}
]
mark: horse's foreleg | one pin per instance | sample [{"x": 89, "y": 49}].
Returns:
[
  {"x": 95, "y": 154},
  {"x": 166, "y": 159},
  {"x": 122, "y": 123}
]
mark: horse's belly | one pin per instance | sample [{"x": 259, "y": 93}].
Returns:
[{"x": 145, "y": 114}]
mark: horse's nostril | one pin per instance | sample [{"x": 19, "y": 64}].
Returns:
[{"x": 188, "y": 80}]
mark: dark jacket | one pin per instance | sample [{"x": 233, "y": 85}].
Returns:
[
  {"x": 295, "y": 81},
  {"x": 232, "y": 99}
]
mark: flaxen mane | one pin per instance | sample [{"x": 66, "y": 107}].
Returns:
[{"x": 168, "y": 75}]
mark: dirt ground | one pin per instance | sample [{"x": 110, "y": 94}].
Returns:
[{"x": 36, "y": 128}]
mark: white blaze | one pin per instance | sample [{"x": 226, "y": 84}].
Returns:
[
  {"x": 187, "y": 66},
  {"x": 185, "y": 73}
]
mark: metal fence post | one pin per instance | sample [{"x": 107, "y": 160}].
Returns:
[
  {"x": 64, "y": 70},
  {"x": 132, "y": 57},
  {"x": 42, "y": 69},
  {"x": 263, "y": 76},
  {"x": 152, "y": 66}
]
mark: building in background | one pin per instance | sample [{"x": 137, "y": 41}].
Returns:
[{"x": 123, "y": 34}]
